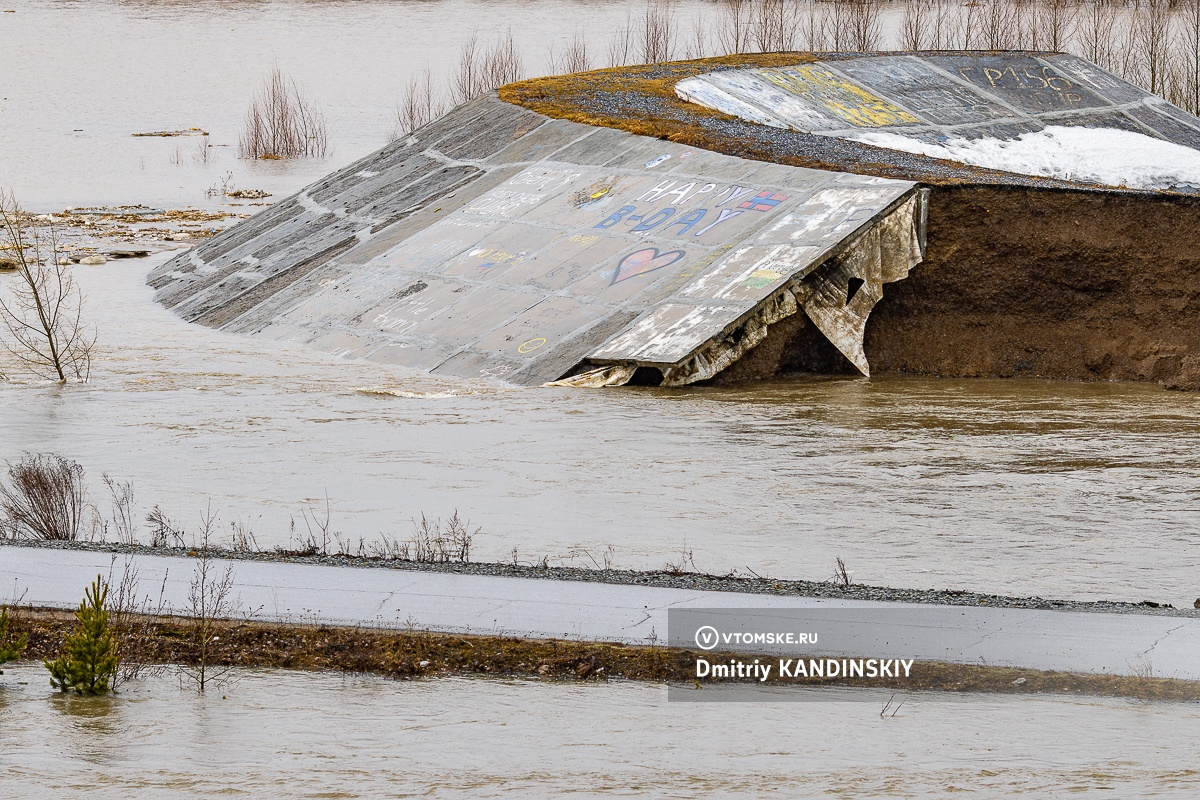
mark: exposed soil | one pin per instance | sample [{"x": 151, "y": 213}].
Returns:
[
  {"x": 1028, "y": 282},
  {"x": 1023, "y": 277},
  {"x": 416, "y": 653},
  {"x": 1052, "y": 284}
]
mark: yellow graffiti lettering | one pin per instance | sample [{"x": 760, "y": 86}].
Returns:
[{"x": 848, "y": 101}]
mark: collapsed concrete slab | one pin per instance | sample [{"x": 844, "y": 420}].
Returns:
[{"x": 500, "y": 243}]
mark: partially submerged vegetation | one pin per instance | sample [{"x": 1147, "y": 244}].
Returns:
[
  {"x": 419, "y": 654},
  {"x": 42, "y": 309},
  {"x": 282, "y": 123}
]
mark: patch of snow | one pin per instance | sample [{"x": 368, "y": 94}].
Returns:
[{"x": 1095, "y": 155}]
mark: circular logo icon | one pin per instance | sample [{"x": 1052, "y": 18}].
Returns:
[{"x": 707, "y": 637}]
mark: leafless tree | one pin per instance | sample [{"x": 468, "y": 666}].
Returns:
[
  {"x": 998, "y": 25},
  {"x": 814, "y": 26},
  {"x": 865, "y": 31},
  {"x": 698, "y": 45},
  {"x": 210, "y": 598},
  {"x": 915, "y": 25},
  {"x": 1151, "y": 35},
  {"x": 43, "y": 312},
  {"x": 131, "y": 617},
  {"x": 1095, "y": 40}
]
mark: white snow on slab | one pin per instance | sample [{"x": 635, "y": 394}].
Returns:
[
  {"x": 1095, "y": 155},
  {"x": 1122, "y": 644}
]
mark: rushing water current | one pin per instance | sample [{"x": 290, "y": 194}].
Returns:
[
  {"x": 1061, "y": 489},
  {"x": 280, "y": 734}
]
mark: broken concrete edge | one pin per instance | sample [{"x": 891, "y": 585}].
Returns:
[
  {"x": 743, "y": 584},
  {"x": 339, "y": 264},
  {"x": 163, "y": 640},
  {"x": 817, "y": 292}
]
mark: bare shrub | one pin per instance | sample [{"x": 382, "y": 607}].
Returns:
[
  {"x": 840, "y": 576},
  {"x": 657, "y": 31},
  {"x": 163, "y": 531},
  {"x": 420, "y": 105},
  {"x": 684, "y": 563},
  {"x": 1188, "y": 59},
  {"x": 282, "y": 123},
  {"x": 121, "y": 495},
  {"x": 210, "y": 598},
  {"x": 480, "y": 70},
  {"x": 575, "y": 58},
  {"x": 775, "y": 25},
  {"x": 319, "y": 534},
  {"x": 44, "y": 498},
  {"x": 435, "y": 542},
  {"x": 620, "y": 45},
  {"x": 734, "y": 26},
  {"x": 132, "y": 621},
  {"x": 43, "y": 313},
  {"x": 241, "y": 537}
]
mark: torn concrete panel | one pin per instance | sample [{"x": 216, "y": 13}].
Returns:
[
  {"x": 449, "y": 253},
  {"x": 836, "y": 292}
]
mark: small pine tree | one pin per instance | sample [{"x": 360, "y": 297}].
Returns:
[
  {"x": 10, "y": 647},
  {"x": 89, "y": 659}
]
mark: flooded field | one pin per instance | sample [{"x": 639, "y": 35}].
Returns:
[
  {"x": 140, "y": 67},
  {"x": 1085, "y": 491},
  {"x": 326, "y": 735}
]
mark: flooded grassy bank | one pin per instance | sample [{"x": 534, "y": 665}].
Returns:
[
  {"x": 421, "y": 654},
  {"x": 321, "y": 734}
]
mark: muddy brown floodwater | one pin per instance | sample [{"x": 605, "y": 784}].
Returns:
[
  {"x": 276, "y": 734},
  {"x": 1070, "y": 490}
]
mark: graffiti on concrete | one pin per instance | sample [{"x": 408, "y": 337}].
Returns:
[
  {"x": 462, "y": 253},
  {"x": 937, "y": 96}
]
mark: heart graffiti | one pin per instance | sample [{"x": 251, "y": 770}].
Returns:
[{"x": 643, "y": 261}]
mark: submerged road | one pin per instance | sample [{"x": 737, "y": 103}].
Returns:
[{"x": 1119, "y": 644}]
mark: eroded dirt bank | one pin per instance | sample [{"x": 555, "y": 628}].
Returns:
[
  {"x": 1020, "y": 281},
  {"x": 1029, "y": 282}
]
